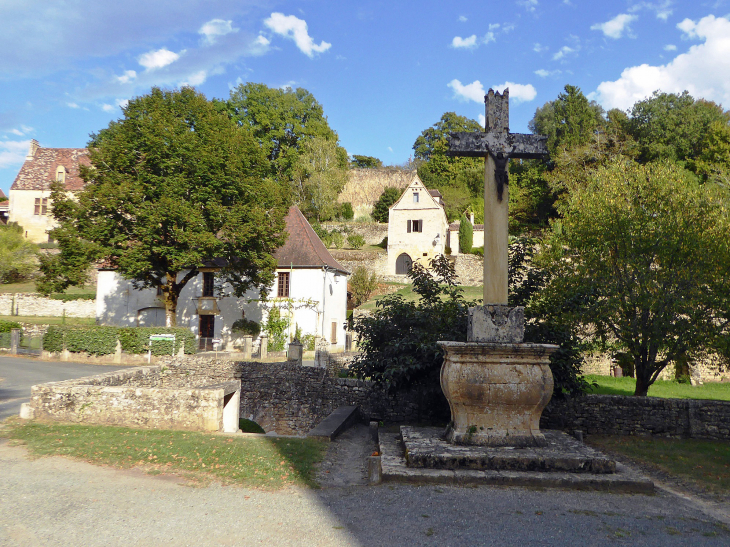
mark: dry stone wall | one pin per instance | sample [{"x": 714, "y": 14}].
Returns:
[
  {"x": 644, "y": 416},
  {"x": 35, "y": 305},
  {"x": 364, "y": 186},
  {"x": 373, "y": 232}
]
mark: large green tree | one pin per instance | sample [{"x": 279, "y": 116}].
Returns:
[
  {"x": 18, "y": 256},
  {"x": 173, "y": 184},
  {"x": 640, "y": 259},
  {"x": 319, "y": 175},
  {"x": 281, "y": 120}
]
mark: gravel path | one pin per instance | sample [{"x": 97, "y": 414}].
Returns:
[{"x": 58, "y": 501}]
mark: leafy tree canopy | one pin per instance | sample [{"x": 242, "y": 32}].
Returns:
[
  {"x": 280, "y": 120},
  {"x": 389, "y": 196},
  {"x": 18, "y": 256},
  {"x": 172, "y": 184},
  {"x": 365, "y": 162},
  {"x": 449, "y": 122},
  {"x": 640, "y": 259},
  {"x": 319, "y": 175}
]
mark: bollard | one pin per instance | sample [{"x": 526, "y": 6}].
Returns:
[
  {"x": 14, "y": 341},
  {"x": 264, "y": 352},
  {"x": 247, "y": 346}
]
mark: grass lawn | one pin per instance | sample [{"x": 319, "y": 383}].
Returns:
[
  {"x": 704, "y": 463},
  {"x": 29, "y": 287},
  {"x": 257, "y": 462},
  {"x": 470, "y": 293},
  {"x": 665, "y": 389},
  {"x": 39, "y": 320}
]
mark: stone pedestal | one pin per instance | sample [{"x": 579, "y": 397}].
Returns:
[{"x": 496, "y": 392}]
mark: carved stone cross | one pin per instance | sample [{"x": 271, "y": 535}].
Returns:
[{"x": 497, "y": 145}]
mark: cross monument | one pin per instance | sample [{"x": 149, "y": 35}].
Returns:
[{"x": 497, "y": 145}]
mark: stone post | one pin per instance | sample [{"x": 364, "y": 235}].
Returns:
[
  {"x": 14, "y": 341},
  {"x": 264, "y": 353},
  {"x": 294, "y": 353},
  {"x": 247, "y": 346}
]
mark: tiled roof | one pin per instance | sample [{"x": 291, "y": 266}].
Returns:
[
  {"x": 454, "y": 227},
  {"x": 435, "y": 193},
  {"x": 2, "y": 194},
  {"x": 303, "y": 248},
  {"x": 39, "y": 172}
]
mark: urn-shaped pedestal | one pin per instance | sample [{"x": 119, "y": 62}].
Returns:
[{"x": 496, "y": 392}]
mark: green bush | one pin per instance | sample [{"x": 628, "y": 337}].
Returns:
[
  {"x": 356, "y": 241},
  {"x": 362, "y": 283},
  {"x": 337, "y": 239},
  {"x": 275, "y": 328},
  {"x": 389, "y": 196},
  {"x": 6, "y": 326},
  {"x": 103, "y": 340},
  {"x": 346, "y": 211},
  {"x": 384, "y": 244},
  {"x": 308, "y": 341},
  {"x": 479, "y": 251},
  {"x": 245, "y": 326},
  {"x": 466, "y": 235},
  {"x": 70, "y": 297}
]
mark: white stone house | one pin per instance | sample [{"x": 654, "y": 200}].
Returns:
[
  {"x": 310, "y": 289},
  {"x": 30, "y": 202},
  {"x": 417, "y": 228}
]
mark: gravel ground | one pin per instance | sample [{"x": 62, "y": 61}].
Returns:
[{"x": 58, "y": 501}]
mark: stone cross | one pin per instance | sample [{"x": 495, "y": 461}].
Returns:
[{"x": 497, "y": 145}]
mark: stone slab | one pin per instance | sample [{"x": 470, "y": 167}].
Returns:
[
  {"x": 334, "y": 424},
  {"x": 425, "y": 447},
  {"x": 395, "y": 469},
  {"x": 496, "y": 324}
]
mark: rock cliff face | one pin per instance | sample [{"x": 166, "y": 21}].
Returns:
[{"x": 365, "y": 186}]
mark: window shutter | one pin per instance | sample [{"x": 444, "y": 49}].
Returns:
[
  {"x": 409, "y": 226},
  {"x": 420, "y": 225}
]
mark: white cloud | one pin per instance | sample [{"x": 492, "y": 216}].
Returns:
[
  {"x": 661, "y": 9},
  {"x": 263, "y": 40},
  {"x": 489, "y": 37},
  {"x": 215, "y": 28},
  {"x": 197, "y": 78},
  {"x": 702, "y": 70},
  {"x": 127, "y": 77},
  {"x": 494, "y": 26},
  {"x": 470, "y": 92},
  {"x": 519, "y": 93},
  {"x": 122, "y": 103},
  {"x": 462, "y": 19},
  {"x": 545, "y": 73},
  {"x": 390, "y": 148},
  {"x": 564, "y": 51},
  {"x": 482, "y": 119},
  {"x": 295, "y": 29},
  {"x": 13, "y": 153},
  {"x": 23, "y": 130},
  {"x": 72, "y": 105},
  {"x": 616, "y": 26},
  {"x": 670, "y": 47},
  {"x": 108, "y": 107},
  {"x": 529, "y": 5},
  {"x": 467, "y": 43},
  {"x": 158, "y": 59},
  {"x": 539, "y": 48}
]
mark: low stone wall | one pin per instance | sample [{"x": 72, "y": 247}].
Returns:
[
  {"x": 373, "y": 232},
  {"x": 645, "y": 416},
  {"x": 34, "y": 305},
  {"x": 469, "y": 269},
  {"x": 189, "y": 397}
]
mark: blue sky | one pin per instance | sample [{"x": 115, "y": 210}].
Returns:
[{"x": 383, "y": 70}]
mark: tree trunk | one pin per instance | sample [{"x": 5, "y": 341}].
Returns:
[
  {"x": 170, "y": 292},
  {"x": 642, "y": 385}
]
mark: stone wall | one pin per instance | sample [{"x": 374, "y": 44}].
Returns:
[
  {"x": 364, "y": 186},
  {"x": 174, "y": 396},
  {"x": 645, "y": 416},
  {"x": 469, "y": 269},
  {"x": 35, "y": 305},
  {"x": 373, "y": 232}
]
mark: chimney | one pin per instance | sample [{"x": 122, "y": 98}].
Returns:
[
  {"x": 471, "y": 218},
  {"x": 32, "y": 150}
]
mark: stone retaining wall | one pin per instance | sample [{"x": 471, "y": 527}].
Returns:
[
  {"x": 373, "y": 232},
  {"x": 35, "y": 305},
  {"x": 646, "y": 416}
]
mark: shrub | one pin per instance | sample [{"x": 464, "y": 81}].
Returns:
[
  {"x": 137, "y": 340},
  {"x": 275, "y": 328},
  {"x": 384, "y": 244},
  {"x": 70, "y": 297},
  {"x": 308, "y": 341},
  {"x": 479, "y": 251},
  {"x": 346, "y": 211},
  {"x": 18, "y": 256},
  {"x": 6, "y": 326},
  {"x": 363, "y": 219},
  {"x": 245, "y": 326},
  {"x": 389, "y": 196},
  {"x": 337, "y": 239},
  {"x": 466, "y": 235},
  {"x": 362, "y": 284},
  {"x": 356, "y": 241},
  {"x": 103, "y": 340}
]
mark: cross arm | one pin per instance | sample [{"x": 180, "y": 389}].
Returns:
[{"x": 512, "y": 145}]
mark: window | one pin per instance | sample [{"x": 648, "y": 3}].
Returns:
[
  {"x": 61, "y": 174},
  {"x": 41, "y": 206},
  {"x": 415, "y": 226},
  {"x": 415, "y": 197},
  {"x": 208, "y": 283},
  {"x": 282, "y": 289}
]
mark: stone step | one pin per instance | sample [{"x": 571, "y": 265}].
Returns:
[{"x": 336, "y": 423}]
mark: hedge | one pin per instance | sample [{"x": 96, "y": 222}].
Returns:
[
  {"x": 71, "y": 297},
  {"x": 7, "y": 326},
  {"x": 103, "y": 340}
]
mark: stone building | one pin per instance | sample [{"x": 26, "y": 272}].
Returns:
[
  {"x": 310, "y": 289},
  {"x": 30, "y": 202},
  {"x": 452, "y": 237},
  {"x": 416, "y": 228}
]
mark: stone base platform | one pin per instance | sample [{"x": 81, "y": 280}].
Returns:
[
  {"x": 426, "y": 448},
  {"x": 395, "y": 467}
]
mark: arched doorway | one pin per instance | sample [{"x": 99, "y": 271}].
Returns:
[{"x": 403, "y": 264}]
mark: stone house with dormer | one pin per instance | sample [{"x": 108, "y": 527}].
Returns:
[
  {"x": 310, "y": 290},
  {"x": 417, "y": 228},
  {"x": 30, "y": 202}
]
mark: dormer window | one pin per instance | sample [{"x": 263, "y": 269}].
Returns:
[{"x": 61, "y": 174}]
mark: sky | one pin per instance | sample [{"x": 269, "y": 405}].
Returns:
[{"x": 383, "y": 71}]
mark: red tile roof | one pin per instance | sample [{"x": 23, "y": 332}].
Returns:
[
  {"x": 303, "y": 248},
  {"x": 39, "y": 172}
]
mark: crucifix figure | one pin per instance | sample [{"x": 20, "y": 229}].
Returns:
[{"x": 497, "y": 145}]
